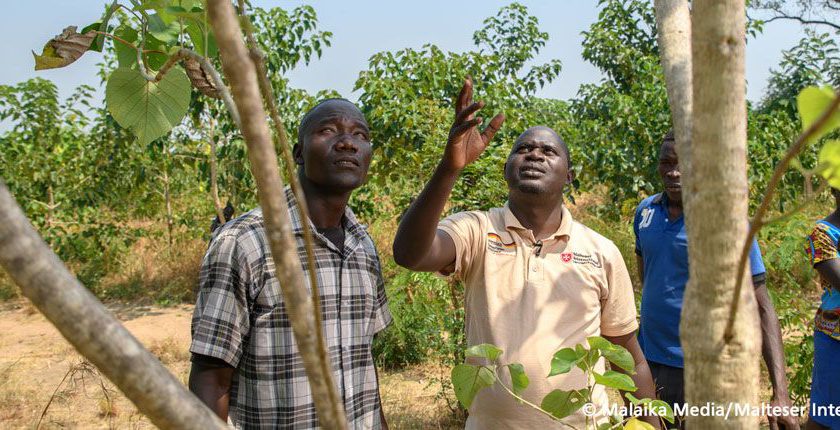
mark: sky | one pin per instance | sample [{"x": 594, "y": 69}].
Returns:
[{"x": 360, "y": 29}]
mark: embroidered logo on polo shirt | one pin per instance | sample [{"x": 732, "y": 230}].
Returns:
[
  {"x": 496, "y": 245},
  {"x": 580, "y": 258}
]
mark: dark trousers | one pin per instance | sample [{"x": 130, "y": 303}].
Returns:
[{"x": 670, "y": 386}]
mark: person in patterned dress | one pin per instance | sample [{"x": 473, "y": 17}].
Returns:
[{"x": 821, "y": 247}]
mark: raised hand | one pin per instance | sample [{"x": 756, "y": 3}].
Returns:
[{"x": 465, "y": 142}]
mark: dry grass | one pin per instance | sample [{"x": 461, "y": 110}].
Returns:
[
  {"x": 169, "y": 351},
  {"x": 153, "y": 272}
]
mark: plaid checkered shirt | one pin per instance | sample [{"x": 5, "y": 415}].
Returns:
[{"x": 240, "y": 318}]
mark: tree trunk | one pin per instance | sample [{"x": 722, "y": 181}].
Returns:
[
  {"x": 717, "y": 371},
  {"x": 673, "y": 22},
  {"x": 50, "y": 207},
  {"x": 214, "y": 175},
  {"x": 241, "y": 73},
  {"x": 93, "y": 331},
  {"x": 168, "y": 198}
]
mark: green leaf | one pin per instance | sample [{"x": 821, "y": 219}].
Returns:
[
  {"x": 812, "y": 103},
  {"x": 149, "y": 109},
  {"x": 563, "y": 361},
  {"x": 468, "y": 380},
  {"x": 561, "y": 403},
  {"x": 518, "y": 378},
  {"x": 126, "y": 55},
  {"x": 637, "y": 424},
  {"x": 829, "y": 162},
  {"x": 162, "y": 31},
  {"x": 614, "y": 353},
  {"x": 196, "y": 33},
  {"x": 662, "y": 409},
  {"x": 485, "y": 350},
  {"x": 616, "y": 380},
  {"x": 196, "y": 14}
]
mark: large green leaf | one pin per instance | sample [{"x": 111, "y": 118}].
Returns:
[
  {"x": 518, "y": 378},
  {"x": 484, "y": 350},
  {"x": 616, "y": 380},
  {"x": 829, "y": 162},
  {"x": 812, "y": 103},
  {"x": 614, "y": 353},
  {"x": 149, "y": 109},
  {"x": 561, "y": 403},
  {"x": 468, "y": 380}
]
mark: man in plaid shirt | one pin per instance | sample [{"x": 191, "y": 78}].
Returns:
[{"x": 245, "y": 362}]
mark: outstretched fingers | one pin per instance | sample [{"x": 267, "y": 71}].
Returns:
[
  {"x": 492, "y": 128},
  {"x": 464, "y": 127},
  {"x": 467, "y": 113},
  {"x": 465, "y": 96}
]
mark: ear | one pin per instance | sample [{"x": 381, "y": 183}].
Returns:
[
  {"x": 297, "y": 153},
  {"x": 570, "y": 176}
]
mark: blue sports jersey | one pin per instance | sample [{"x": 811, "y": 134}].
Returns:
[{"x": 663, "y": 246}]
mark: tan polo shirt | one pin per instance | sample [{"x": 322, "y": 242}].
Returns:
[{"x": 533, "y": 298}]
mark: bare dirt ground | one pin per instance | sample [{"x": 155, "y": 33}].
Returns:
[{"x": 43, "y": 380}]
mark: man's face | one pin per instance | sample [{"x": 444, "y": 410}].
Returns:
[
  {"x": 537, "y": 164},
  {"x": 336, "y": 147},
  {"x": 669, "y": 171}
]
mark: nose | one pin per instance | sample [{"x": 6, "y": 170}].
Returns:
[
  {"x": 535, "y": 155},
  {"x": 345, "y": 143},
  {"x": 673, "y": 173}
]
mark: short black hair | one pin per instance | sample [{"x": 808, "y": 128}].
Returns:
[
  {"x": 306, "y": 121},
  {"x": 669, "y": 137}
]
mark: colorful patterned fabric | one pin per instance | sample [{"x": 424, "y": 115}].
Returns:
[
  {"x": 240, "y": 318},
  {"x": 822, "y": 246}
]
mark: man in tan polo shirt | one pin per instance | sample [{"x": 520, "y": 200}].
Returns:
[{"x": 536, "y": 281}]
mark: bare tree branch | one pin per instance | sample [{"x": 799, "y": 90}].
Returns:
[
  {"x": 803, "y": 20},
  {"x": 91, "y": 329},
  {"x": 241, "y": 73}
]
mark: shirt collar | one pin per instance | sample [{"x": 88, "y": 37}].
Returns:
[
  {"x": 349, "y": 222},
  {"x": 660, "y": 198},
  {"x": 512, "y": 223}
]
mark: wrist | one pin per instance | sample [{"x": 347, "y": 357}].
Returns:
[{"x": 448, "y": 170}]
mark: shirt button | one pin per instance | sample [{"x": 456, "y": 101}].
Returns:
[{"x": 534, "y": 269}]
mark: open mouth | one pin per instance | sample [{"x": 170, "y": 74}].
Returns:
[
  {"x": 346, "y": 162},
  {"x": 675, "y": 186},
  {"x": 531, "y": 171}
]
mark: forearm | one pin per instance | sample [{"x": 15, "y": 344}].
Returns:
[
  {"x": 212, "y": 387},
  {"x": 772, "y": 348},
  {"x": 418, "y": 226}
]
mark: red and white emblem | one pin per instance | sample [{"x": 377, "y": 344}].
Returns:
[{"x": 566, "y": 256}]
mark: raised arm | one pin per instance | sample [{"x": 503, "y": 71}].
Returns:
[{"x": 418, "y": 244}]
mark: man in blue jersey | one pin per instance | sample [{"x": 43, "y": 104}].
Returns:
[{"x": 662, "y": 254}]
